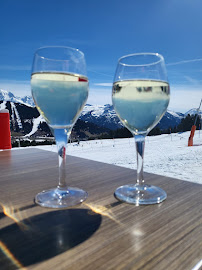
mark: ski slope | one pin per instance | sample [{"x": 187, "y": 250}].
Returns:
[{"x": 166, "y": 155}]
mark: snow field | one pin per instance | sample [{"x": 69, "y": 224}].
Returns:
[{"x": 166, "y": 155}]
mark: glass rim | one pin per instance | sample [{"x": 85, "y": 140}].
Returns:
[
  {"x": 58, "y": 47},
  {"x": 161, "y": 59}
]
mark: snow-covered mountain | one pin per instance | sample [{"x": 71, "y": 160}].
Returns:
[
  {"x": 193, "y": 112},
  {"x": 170, "y": 119},
  {"x": 105, "y": 116},
  {"x": 101, "y": 115},
  {"x": 8, "y": 96},
  {"x": 28, "y": 100},
  {"x": 95, "y": 119}
]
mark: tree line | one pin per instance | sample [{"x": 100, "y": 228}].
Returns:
[
  {"x": 90, "y": 131},
  {"x": 185, "y": 125}
]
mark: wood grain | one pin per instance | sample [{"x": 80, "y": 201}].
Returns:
[{"x": 102, "y": 233}]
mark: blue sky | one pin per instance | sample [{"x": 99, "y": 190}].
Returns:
[{"x": 105, "y": 30}]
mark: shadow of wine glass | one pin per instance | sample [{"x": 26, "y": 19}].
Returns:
[{"x": 44, "y": 236}]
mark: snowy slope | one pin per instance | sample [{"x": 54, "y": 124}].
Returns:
[
  {"x": 22, "y": 117},
  {"x": 15, "y": 112},
  {"x": 166, "y": 155},
  {"x": 36, "y": 122}
]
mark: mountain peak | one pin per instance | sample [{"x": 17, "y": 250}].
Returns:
[
  {"x": 5, "y": 94},
  {"x": 193, "y": 112},
  {"x": 8, "y": 96}
]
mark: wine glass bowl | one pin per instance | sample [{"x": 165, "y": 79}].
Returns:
[
  {"x": 60, "y": 89},
  {"x": 140, "y": 97}
]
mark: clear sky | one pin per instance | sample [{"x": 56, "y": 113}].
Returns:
[{"x": 105, "y": 30}]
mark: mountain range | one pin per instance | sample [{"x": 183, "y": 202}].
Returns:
[{"x": 94, "y": 119}]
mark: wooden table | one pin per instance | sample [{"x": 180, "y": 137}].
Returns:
[{"x": 102, "y": 233}]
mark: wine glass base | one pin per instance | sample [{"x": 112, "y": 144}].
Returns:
[
  {"x": 61, "y": 198},
  {"x": 140, "y": 194}
]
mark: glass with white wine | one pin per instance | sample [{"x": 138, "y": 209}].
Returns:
[
  {"x": 140, "y": 97},
  {"x": 60, "y": 89}
]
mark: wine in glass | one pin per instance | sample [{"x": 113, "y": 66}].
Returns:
[
  {"x": 140, "y": 97},
  {"x": 60, "y": 89}
]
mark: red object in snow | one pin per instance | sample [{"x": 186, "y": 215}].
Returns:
[
  {"x": 5, "y": 134},
  {"x": 190, "y": 141}
]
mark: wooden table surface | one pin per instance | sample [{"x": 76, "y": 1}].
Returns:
[{"x": 101, "y": 233}]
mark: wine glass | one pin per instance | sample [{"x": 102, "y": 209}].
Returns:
[
  {"x": 60, "y": 89},
  {"x": 140, "y": 97}
]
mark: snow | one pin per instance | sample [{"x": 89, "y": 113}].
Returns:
[
  {"x": 174, "y": 114},
  {"x": 36, "y": 122},
  {"x": 17, "y": 115},
  {"x": 194, "y": 111},
  {"x": 3, "y": 105},
  {"x": 97, "y": 110},
  {"x": 5, "y": 94},
  {"x": 166, "y": 155},
  {"x": 8, "y": 96}
]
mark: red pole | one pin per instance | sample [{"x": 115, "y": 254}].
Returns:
[
  {"x": 5, "y": 134},
  {"x": 190, "y": 141}
]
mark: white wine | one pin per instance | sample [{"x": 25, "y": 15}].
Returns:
[
  {"x": 140, "y": 104},
  {"x": 59, "y": 97}
]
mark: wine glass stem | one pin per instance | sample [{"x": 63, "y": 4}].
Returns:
[
  {"x": 140, "y": 144},
  {"x": 61, "y": 137}
]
